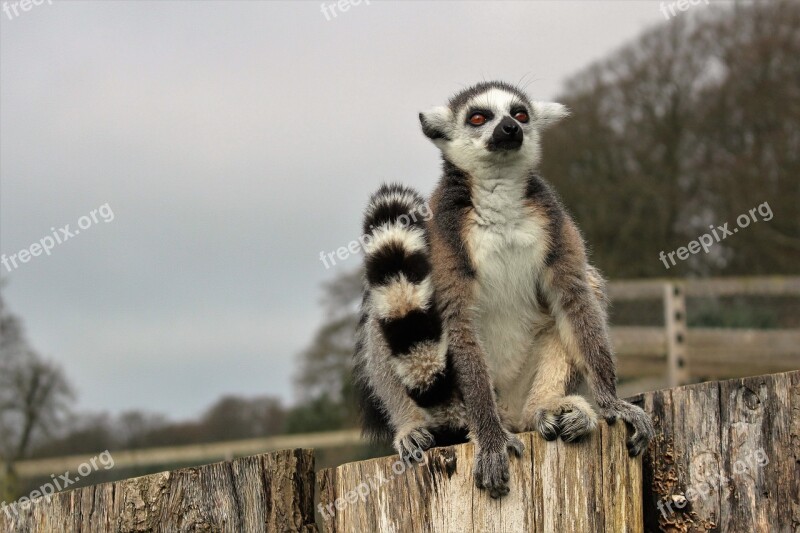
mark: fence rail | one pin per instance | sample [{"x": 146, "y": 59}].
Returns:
[
  {"x": 195, "y": 453},
  {"x": 684, "y": 354},
  {"x": 710, "y": 352},
  {"x": 706, "y": 287}
]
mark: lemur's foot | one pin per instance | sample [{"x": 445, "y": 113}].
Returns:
[
  {"x": 411, "y": 443},
  {"x": 571, "y": 417},
  {"x": 491, "y": 469},
  {"x": 636, "y": 419}
]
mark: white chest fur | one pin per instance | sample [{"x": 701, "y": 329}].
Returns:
[{"x": 508, "y": 244}]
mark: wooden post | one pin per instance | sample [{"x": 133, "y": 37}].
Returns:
[
  {"x": 726, "y": 456},
  {"x": 263, "y": 493},
  {"x": 677, "y": 334},
  {"x": 588, "y": 486}
]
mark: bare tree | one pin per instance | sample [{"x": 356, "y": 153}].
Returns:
[
  {"x": 749, "y": 125},
  {"x": 326, "y": 364},
  {"x": 694, "y": 123},
  {"x": 34, "y": 395},
  {"x": 324, "y": 382}
]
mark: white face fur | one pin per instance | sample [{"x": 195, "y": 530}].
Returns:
[{"x": 468, "y": 143}]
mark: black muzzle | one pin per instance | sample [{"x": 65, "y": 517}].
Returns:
[{"x": 506, "y": 136}]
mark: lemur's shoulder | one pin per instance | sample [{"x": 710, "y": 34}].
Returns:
[
  {"x": 567, "y": 242},
  {"x": 450, "y": 204}
]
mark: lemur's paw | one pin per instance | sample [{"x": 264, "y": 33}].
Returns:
[
  {"x": 570, "y": 417},
  {"x": 545, "y": 421},
  {"x": 636, "y": 419},
  {"x": 412, "y": 443},
  {"x": 577, "y": 419},
  {"x": 515, "y": 445},
  {"x": 491, "y": 470}
]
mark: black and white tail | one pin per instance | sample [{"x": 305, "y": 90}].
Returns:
[{"x": 400, "y": 294}]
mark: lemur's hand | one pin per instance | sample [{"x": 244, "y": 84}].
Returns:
[
  {"x": 410, "y": 444},
  {"x": 636, "y": 419},
  {"x": 491, "y": 464}
]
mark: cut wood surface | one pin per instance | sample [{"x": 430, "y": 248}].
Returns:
[
  {"x": 263, "y": 493},
  {"x": 591, "y": 486},
  {"x": 726, "y": 456}
]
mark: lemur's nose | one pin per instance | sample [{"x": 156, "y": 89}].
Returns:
[
  {"x": 506, "y": 136},
  {"x": 510, "y": 127}
]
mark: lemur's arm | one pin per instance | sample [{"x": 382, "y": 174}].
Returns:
[
  {"x": 455, "y": 289},
  {"x": 572, "y": 292}
]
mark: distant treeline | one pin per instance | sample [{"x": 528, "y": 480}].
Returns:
[{"x": 681, "y": 131}]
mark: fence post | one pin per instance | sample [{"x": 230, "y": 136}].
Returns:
[
  {"x": 725, "y": 456},
  {"x": 676, "y": 329}
]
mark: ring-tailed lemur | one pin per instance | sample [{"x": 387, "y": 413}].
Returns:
[{"x": 486, "y": 317}]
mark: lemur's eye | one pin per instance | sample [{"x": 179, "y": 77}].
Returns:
[
  {"x": 522, "y": 116},
  {"x": 477, "y": 119}
]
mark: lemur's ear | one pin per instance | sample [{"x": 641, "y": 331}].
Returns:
[
  {"x": 548, "y": 113},
  {"x": 436, "y": 123}
]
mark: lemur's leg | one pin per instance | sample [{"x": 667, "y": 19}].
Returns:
[
  {"x": 409, "y": 421},
  {"x": 569, "y": 287},
  {"x": 552, "y": 408},
  {"x": 455, "y": 286}
]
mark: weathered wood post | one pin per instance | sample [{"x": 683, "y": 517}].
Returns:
[
  {"x": 726, "y": 456},
  {"x": 677, "y": 333},
  {"x": 262, "y": 493},
  {"x": 589, "y": 486}
]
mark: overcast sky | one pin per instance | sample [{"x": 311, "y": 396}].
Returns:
[{"x": 233, "y": 141}]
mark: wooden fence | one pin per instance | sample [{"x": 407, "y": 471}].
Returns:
[
  {"x": 194, "y": 453},
  {"x": 678, "y": 354},
  {"x": 726, "y": 458}
]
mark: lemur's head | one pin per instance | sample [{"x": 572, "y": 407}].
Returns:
[{"x": 492, "y": 125}]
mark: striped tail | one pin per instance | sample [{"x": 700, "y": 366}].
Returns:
[{"x": 401, "y": 292}]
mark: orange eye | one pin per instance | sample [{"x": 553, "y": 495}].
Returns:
[
  {"x": 477, "y": 119},
  {"x": 522, "y": 116}
]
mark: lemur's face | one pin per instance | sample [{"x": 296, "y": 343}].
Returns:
[{"x": 489, "y": 126}]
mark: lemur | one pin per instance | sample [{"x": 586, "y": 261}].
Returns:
[{"x": 484, "y": 318}]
